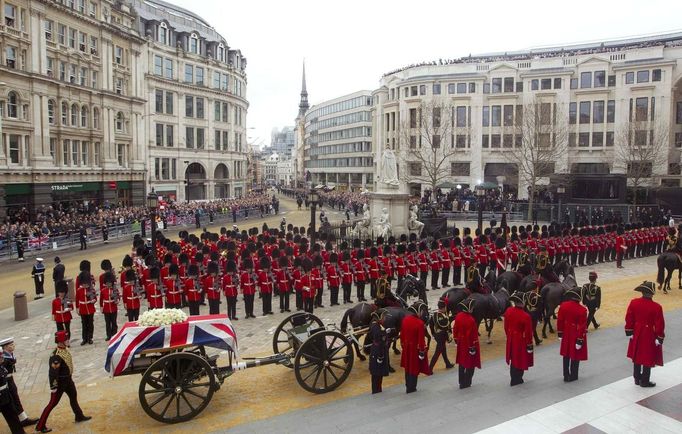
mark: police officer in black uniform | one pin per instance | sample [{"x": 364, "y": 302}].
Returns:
[{"x": 10, "y": 364}]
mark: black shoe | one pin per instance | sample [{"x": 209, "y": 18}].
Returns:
[
  {"x": 450, "y": 366},
  {"x": 83, "y": 343},
  {"x": 287, "y": 310},
  {"x": 281, "y": 311},
  {"x": 391, "y": 369},
  {"x": 90, "y": 341},
  {"x": 235, "y": 319},
  {"x": 647, "y": 384},
  {"x": 321, "y": 306},
  {"x": 567, "y": 379},
  {"x": 83, "y": 418},
  {"x": 29, "y": 422},
  {"x": 107, "y": 339},
  {"x": 597, "y": 326},
  {"x": 636, "y": 381}
]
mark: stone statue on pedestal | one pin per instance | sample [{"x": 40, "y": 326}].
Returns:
[
  {"x": 362, "y": 227},
  {"x": 414, "y": 225},
  {"x": 384, "y": 226},
  {"x": 389, "y": 169}
]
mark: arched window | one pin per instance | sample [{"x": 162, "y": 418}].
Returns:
[
  {"x": 50, "y": 111},
  {"x": 95, "y": 118},
  {"x": 194, "y": 43},
  {"x": 65, "y": 114},
  {"x": 119, "y": 121},
  {"x": 74, "y": 115},
  {"x": 12, "y": 105},
  {"x": 162, "y": 35},
  {"x": 84, "y": 116},
  {"x": 220, "y": 55}
]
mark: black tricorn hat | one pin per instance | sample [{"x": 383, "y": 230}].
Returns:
[{"x": 646, "y": 287}]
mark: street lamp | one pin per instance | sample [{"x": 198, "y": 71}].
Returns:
[
  {"x": 480, "y": 198},
  {"x": 313, "y": 197},
  {"x": 152, "y": 204}
]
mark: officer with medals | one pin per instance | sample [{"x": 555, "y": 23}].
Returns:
[
  {"x": 592, "y": 299},
  {"x": 440, "y": 329},
  {"x": 61, "y": 382},
  {"x": 645, "y": 325}
]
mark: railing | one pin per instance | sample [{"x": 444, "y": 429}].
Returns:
[{"x": 33, "y": 246}]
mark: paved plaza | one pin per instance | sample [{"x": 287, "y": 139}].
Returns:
[{"x": 244, "y": 404}]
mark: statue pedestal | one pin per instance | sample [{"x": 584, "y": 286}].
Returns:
[{"x": 398, "y": 206}]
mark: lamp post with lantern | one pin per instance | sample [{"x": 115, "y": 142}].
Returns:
[
  {"x": 152, "y": 205},
  {"x": 560, "y": 190}
]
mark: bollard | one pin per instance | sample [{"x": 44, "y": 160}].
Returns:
[
  {"x": 71, "y": 295},
  {"x": 20, "y": 306}
]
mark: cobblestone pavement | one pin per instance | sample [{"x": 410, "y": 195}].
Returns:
[{"x": 34, "y": 338}]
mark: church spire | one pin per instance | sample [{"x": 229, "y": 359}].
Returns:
[{"x": 303, "y": 106}]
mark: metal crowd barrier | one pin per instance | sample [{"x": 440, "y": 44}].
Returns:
[{"x": 34, "y": 246}]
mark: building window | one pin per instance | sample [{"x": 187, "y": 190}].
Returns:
[
  {"x": 225, "y": 138},
  {"x": 10, "y": 15},
  {"x": 598, "y": 139},
  {"x": 189, "y": 137},
  {"x": 598, "y": 112},
  {"x": 472, "y": 87},
  {"x": 53, "y": 149},
  {"x": 74, "y": 115},
  {"x": 497, "y": 85},
  {"x": 519, "y": 86},
  {"x": 643, "y": 76},
  {"x": 585, "y": 80},
  {"x": 485, "y": 141},
  {"x": 641, "y": 109},
  {"x": 118, "y": 55},
  {"x": 84, "y": 116},
  {"x": 461, "y": 88},
  {"x": 557, "y": 83},
  {"x": 49, "y": 25},
  {"x": 85, "y": 153},
  {"x": 496, "y": 115},
  {"x": 629, "y": 77},
  {"x": 50, "y": 111},
  {"x": 169, "y": 103},
  {"x": 535, "y": 84},
  {"x": 96, "y": 154},
  {"x": 546, "y": 84},
  {"x": 656, "y": 75},
  {"x": 460, "y": 169},
  {"x": 612, "y": 80},
  {"x": 61, "y": 34},
  {"x": 163, "y": 34},
  {"x": 83, "y": 77},
  {"x": 422, "y": 89},
  {"x": 508, "y": 114},
  {"x": 75, "y": 152},
  {"x": 599, "y": 78},
  {"x": 200, "y": 138},
  {"x": 14, "y": 149},
  {"x": 189, "y": 106},
  {"x": 12, "y": 105},
  {"x": 158, "y": 65},
  {"x": 678, "y": 112},
  {"x": 225, "y": 112},
  {"x": 194, "y": 44},
  {"x": 486, "y": 116},
  {"x": 189, "y": 74},
  {"x": 94, "y": 79},
  {"x": 159, "y": 134},
  {"x": 200, "y": 76},
  {"x": 585, "y": 112},
  {"x": 119, "y": 121},
  {"x": 169, "y": 136},
  {"x": 119, "y": 86},
  {"x": 610, "y": 111},
  {"x": 120, "y": 154},
  {"x": 66, "y": 147},
  {"x": 72, "y": 38},
  {"x": 159, "y": 101},
  {"x": 571, "y": 140},
  {"x": 495, "y": 140},
  {"x": 584, "y": 139},
  {"x": 435, "y": 89},
  {"x": 169, "y": 68},
  {"x": 509, "y": 84},
  {"x": 93, "y": 9},
  {"x": 65, "y": 114},
  {"x": 452, "y": 88},
  {"x": 11, "y": 57},
  {"x": 574, "y": 83},
  {"x": 95, "y": 118},
  {"x": 200, "y": 108}
]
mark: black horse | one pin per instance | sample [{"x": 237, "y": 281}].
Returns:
[
  {"x": 509, "y": 280},
  {"x": 489, "y": 307},
  {"x": 452, "y": 298},
  {"x": 668, "y": 262},
  {"x": 560, "y": 269},
  {"x": 552, "y": 295},
  {"x": 360, "y": 317}
]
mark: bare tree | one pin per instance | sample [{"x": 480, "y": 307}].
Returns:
[
  {"x": 540, "y": 139},
  {"x": 641, "y": 146},
  {"x": 433, "y": 133}
]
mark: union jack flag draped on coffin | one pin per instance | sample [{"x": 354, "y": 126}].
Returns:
[{"x": 214, "y": 331}]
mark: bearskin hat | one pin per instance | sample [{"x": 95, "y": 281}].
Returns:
[
  {"x": 154, "y": 273},
  {"x": 127, "y": 261},
  {"x": 230, "y": 267},
  {"x": 413, "y": 237},
  {"x": 307, "y": 264},
  {"x": 360, "y": 254},
  {"x": 212, "y": 268},
  {"x": 412, "y": 247},
  {"x": 173, "y": 270},
  {"x": 105, "y": 265},
  {"x": 265, "y": 262},
  {"x": 130, "y": 276},
  {"x": 61, "y": 287},
  {"x": 85, "y": 265},
  {"x": 403, "y": 238},
  {"x": 193, "y": 270}
]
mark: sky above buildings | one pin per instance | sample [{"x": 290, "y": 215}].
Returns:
[{"x": 349, "y": 45}]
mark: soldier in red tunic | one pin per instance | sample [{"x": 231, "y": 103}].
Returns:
[
  {"x": 346, "y": 276},
  {"x": 62, "y": 307},
  {"x": 108, "y": 302},
  {"x": 308, "y": 285},
  {"x": 248, "y": 285},
  {"x": 284, "y": 281},
  {"x": 131, "y": 296},
  {"x": 192, "y": 288},
  {"x": 465, "y": 334},
  {"x": 230, "y": 285},
  {"x": 212, "y": 287},
  {"x": 333, "y": 279},
  {"x": 85, "y": 303},
  {"x": 266, "y": 281},
  {"x": 571, "y": 326},
  {"x": 621, "y": 247},
  {"x": 519, "y": 331},
  {"x": 645, "y": 325},
  {"x": 414, "y": 358},
  {"x": 173, "y": 288},
  {"x": 153, "y": 289},
  {"x": 360, "y": 275}
]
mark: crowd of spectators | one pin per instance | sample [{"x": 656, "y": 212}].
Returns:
[
  {"x": 60, "y": 220},
  {"x": 542, "y": 53}
]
